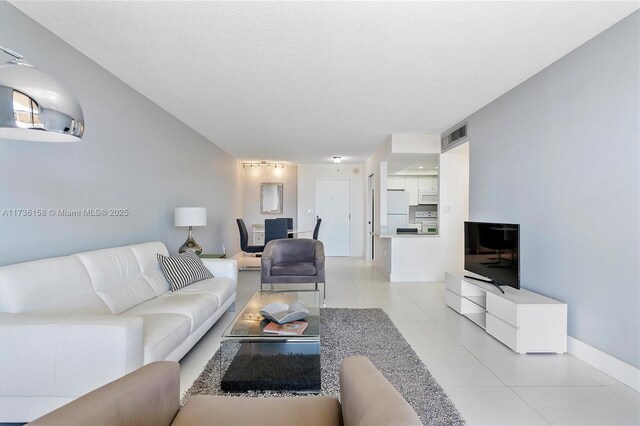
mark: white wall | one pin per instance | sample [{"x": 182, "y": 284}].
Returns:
[
  {"x": 309, "y": 173},
  {"x": 373, "y": 167},
  {"x": 253, "y": 177},
  {"x": 134, "y": 155},
  {"x": 415, "y": 143},
  {"x": 454, "y": 205},
  {"x": 560, "y": 155}
]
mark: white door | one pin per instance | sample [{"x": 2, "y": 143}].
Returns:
[{"x": 332, "y": 206}]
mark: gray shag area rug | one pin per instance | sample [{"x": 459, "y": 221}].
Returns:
[{"x": 368, "y": 332}]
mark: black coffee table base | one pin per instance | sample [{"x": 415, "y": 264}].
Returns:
[{"x": 277, "y": 366}]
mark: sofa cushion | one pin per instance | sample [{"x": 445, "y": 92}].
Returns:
[
  {"x": 220, "y": 288},
  {"x": 147, "y": 256},
  {"x": 183, "y": 269},
  {"x": 198, "y": 306},
  {"x": 59, "y": 285},
  {"x": 162, "y": 334},
  {"x": 294, "y": 268},
  {"x": 116, "y": 277},
  {"x": 286, "y": 411}
]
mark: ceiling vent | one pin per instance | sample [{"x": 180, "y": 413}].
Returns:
[{"x": 454, "y": 137}]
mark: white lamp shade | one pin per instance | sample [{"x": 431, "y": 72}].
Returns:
[{"x": 190, "y": 216}]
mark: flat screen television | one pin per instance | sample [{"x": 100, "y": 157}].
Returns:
[{"x": 492, "y": 250}]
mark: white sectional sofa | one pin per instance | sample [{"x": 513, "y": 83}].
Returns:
[{"x": 71, "y": 324}]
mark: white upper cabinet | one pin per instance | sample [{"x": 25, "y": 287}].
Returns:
[
  {"x": 411, "y": 186},
  {"x": 395, "y": 182},
  {"x": 428, "y": 184}
]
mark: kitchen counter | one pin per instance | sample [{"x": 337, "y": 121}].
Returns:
[
  {"x": 407, "y": 235},
  {"x": 410, "y": 257}
]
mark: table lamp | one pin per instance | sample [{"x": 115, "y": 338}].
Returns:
[{"x": 190, "y": 216}]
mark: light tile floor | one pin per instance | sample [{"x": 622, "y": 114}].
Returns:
[{"x": 489, "y": 383}]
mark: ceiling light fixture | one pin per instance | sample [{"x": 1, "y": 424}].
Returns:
[
  {"x": 36, "y": 107},
  {"x": 259, "y": 164},
  {"x": 337, "y": 160}
]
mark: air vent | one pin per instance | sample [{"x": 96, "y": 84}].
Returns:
[{"x": 455, "y": 137}]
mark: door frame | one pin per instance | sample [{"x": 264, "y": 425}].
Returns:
[{"x": 371, "y": 216}]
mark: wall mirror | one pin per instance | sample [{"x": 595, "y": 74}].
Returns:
[{"x": 271, "y": 198}]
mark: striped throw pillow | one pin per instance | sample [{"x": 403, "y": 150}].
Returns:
[{"x": 183, "y": 269}]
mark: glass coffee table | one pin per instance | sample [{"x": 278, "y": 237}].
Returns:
[{"x": 252, "y": 360}]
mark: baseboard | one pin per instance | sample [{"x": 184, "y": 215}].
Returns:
[
  {"x": 380, "y": 268},
  {"x": 619, "y": 370}
]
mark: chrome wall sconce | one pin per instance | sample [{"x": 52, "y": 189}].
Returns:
[{"x": 34, "y": 106}]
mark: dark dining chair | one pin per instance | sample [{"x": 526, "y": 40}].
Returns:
[
  {"x": 274, "y": 229},
  {"x": 244, "y": 239},
  {"x": 289, "y": 226},
  {"x": 316, "y": 230},
  {"x": 293, "y": 261}
]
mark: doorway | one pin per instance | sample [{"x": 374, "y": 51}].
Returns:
[{"x": 332, "y": 205}]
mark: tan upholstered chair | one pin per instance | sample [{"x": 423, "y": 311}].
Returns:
[{"x": 151, "y": 396}]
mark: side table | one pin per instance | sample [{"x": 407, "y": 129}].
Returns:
[{"x": 212, "y": 255}]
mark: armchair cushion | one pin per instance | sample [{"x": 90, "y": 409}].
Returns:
[
  {"x": 294, "y": 268},
  {"x": 287, "y": 411}
]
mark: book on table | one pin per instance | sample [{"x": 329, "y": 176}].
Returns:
[
  {"x": 283, "y": 313},
  {"x": 295, "y": 328}
]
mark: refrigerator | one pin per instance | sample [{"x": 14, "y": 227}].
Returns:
[{"x": 397, "y": 210}]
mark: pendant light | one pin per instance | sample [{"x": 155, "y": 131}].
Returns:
[{"x": 36, "y": 107}]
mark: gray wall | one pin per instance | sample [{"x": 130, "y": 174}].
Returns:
[
  {"x": 559, "y": 155},
  {"x": 134, "y": 155},
  {"x": 253, "y": 178}
]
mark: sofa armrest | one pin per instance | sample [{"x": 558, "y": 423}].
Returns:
[
  {"x": 227, "y": 268},
  {"x": 369, "y": 399},
  {"x": 66, "y": 355},
  {"x": 148, "y": 396}
]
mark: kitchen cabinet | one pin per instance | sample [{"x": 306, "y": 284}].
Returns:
[
  {"x": 428, "y": 184},
  {"x": 411, "y": 186},
  {"x": 395, "y": 182}
]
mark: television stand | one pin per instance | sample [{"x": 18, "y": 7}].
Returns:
[
  {"x": 494, "y": 282},
  {"x": 524, "y": 321}
]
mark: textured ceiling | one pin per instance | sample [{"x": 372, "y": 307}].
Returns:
[{"x": 303, "y": 82}]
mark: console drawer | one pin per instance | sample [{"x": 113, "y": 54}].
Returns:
[
  {"x": 453, "y": 300},
  {"x": 503, "y": 309},
  {"x": 453, "y": 283},
  {"x": 502, "y": 331}
]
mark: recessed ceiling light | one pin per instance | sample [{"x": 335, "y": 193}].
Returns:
[
  {"x": 337, "y": 159},
  {"x": 420, "y": 167}
]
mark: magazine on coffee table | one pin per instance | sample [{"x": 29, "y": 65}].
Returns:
[
  {"x": 283, "y": 313},
  {"x": 295, "y": 328}
]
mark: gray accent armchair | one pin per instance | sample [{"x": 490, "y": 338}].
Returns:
[{"x": 293, "y": 260}]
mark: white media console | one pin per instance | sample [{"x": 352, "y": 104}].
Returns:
[{"x": 521, "y": 319}]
